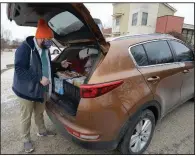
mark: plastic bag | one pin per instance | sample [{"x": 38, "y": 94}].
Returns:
[{"x": 58, "y": 86}]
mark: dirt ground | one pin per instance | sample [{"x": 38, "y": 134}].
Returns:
[{"x": 173, "y": 135}]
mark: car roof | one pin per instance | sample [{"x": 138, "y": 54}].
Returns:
[
  {"x": 126, "y": 37},
  {"x": 135, "y": 39}
]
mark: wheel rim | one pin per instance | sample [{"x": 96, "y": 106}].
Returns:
[{"x": 140, "y": 135}]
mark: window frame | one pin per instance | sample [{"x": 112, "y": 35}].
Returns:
[
  {"x": 118, "y": 21},
  {"x": 174, "y": 51},
  {"x": 143, "y": 19},
  {"x": 161, "y": 64},
  {"x": 144, "y": 52},
  {"x": 136, "y": 19},
  {"x": 173, "y": 57},
  {"x": 55, "y": 17}
]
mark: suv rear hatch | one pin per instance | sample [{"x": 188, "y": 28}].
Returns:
[
  {"x": 74, "y": 28},
  {"x": 79, "y": 26}
]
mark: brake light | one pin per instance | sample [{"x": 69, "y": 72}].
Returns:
[
  {"x": 82, "y": 136},
  {"x": 95, "y": 90}
]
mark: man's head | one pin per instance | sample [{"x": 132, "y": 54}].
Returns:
[{"x": 43, "y": 35}]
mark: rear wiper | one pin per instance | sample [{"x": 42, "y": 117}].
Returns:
[{"x": 51, "y": 24}]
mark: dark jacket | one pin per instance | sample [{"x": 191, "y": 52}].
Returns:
[{"x": 28, "y": 72}]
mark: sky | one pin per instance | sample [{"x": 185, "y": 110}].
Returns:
[{"x": 103, "y": 11}]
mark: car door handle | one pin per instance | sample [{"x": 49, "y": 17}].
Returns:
[
  {"x": 153, "y": 78},
  {"x": 186, "y": 71}
]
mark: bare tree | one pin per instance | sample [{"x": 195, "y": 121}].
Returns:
[
  {"x": 177, "y": 35},
  {"x": 7, "y": 35},
  {"x": 15, "y": 43},
  {"x": 2, "y": 30},
  {"x": 188, "y": 41},
  {"x": 3, "y": 43},
  {"x": 5, "y": 38}
]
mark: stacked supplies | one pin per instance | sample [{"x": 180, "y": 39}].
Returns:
[{"x": 72, "y": 77}]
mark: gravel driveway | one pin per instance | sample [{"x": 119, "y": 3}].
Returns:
[{"x": 173, "y": 135}]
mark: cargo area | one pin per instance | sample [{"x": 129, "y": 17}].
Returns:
[{"x": 66, "y": 82}]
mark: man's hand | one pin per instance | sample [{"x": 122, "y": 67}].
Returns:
[
  {"x": 65, "y": 64},
  {"x": 45, "y": 81}
]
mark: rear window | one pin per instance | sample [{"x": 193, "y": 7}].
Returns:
[
  {"x": 158, "y": 52},
  {"x": 65, "y": 23},
  {"x": 139, "y": 55},
  {"x": 183, "y": 53}
]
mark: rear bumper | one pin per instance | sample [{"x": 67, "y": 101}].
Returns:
[{"x": 94, "y": 145}]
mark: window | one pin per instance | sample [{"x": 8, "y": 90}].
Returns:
[
  {"x": 184, "y": 31},
  {"x": 182, "y": 52},
  {"x": 139, "y": 55},
  {"x": 117, "y": 21},
  {"x": 134, "y": 19},
  {"x": 144, "y": 18},
  {"x": 193, "y": 40},
  {"x": 158, "y": 52},
  {"x": 69, "y": 24}
]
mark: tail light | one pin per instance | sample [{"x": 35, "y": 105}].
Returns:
[{"x": 95, "y": 90}]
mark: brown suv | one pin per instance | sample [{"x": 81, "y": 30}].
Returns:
[{"x": 131, "y": 83}]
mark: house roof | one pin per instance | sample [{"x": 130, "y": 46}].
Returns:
[
  {"x": 107, "y": 31},
  {"x": 166, "y": 4},
  {"x": 188, "y": 26},
  {"x": 169, "y": 6}
]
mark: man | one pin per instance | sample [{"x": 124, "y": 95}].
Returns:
[{"x": 32, "y": 80}]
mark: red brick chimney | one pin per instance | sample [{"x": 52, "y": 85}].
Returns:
[{"x": 169, "y": 23}]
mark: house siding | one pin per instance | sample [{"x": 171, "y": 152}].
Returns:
[
  {"x": 151, "y": 9},
  {"x": 124, "y": 9},
  {"x": 164, "y": 10}
]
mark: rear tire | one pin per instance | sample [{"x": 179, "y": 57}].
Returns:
[{"x": 139, "y": 135}]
